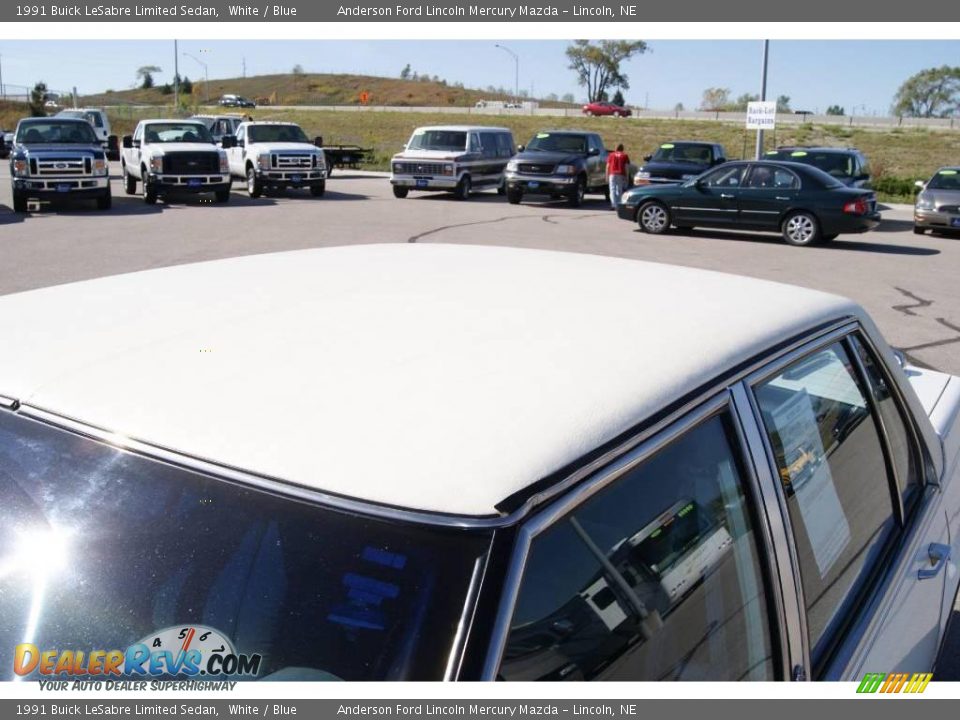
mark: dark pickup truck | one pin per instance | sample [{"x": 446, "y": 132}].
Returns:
[
  {"x": 558, "y": 163},
  {"x": 679, "y": 161}
]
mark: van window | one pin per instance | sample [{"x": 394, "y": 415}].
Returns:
[
  {"x": 505, "y": 144},
  {"x": 489, "y": 147},
  {"x": 656, "y": 577},
  {"x": 833, "y": 473}
]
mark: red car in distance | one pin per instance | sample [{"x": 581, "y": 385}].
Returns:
[{"x": 605, "y": 108}]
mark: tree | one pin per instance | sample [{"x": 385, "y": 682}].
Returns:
[
  {"x": 552, "y": 97},
  {"x": 934, "y": 92},
  {"x": 167, "y": 89},
  {"x": 783, "y": 103},
  {"x": 186, "y": 86},
  {"x": 618, "y": 99},
  {"x": 715, "y": 98},
  {"x": 678, "y": 107},
  {"x": 568, "y": 98},
  {"x": 740, "y": 104},
  {"x": 598, "y": 66},
  {"x": 405, "y": 73},
  {"x": 835, "y": 110},
  {"x": 297, "y": 69},
  {"x": 38, "y": 96},
  {"x": 145, "y": 75}
]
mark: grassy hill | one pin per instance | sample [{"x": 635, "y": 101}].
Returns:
[{"x": 314, "y": 89}]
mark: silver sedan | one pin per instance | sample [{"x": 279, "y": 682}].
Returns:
[{"x": 938, "y": 203}]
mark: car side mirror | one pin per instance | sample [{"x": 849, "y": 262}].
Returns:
[
  {"x": 521, "y": 148},
  {"x": 318, "y": 141},
  {"x": 719, "y": 160},
  {"x": 593, "y": 151},
  {"x": 920, "y": 185},
  {"x": 228, "y": 141},
  {"x": 128, "y": 141},
  {"x": 647, "y": 158}
]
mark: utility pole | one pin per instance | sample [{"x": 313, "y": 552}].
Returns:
[
  {"x": 176, "y": 77},
  {"x": 516, "y": 71},
  {"x": 2, "y": 93},
  {"x": 244, "y": 67},
  {"x": 763, "y": 94}
]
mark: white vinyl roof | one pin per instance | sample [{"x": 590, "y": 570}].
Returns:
[{"x": 432, "y": 377}]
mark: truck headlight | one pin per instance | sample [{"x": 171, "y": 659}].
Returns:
[
  {"x": 263, "y": 161},
  {"x": 397, "y": 168},
  {"x": 319, "y": 161},
  {"x": 448, "y": 169},
  {"x": 641, "y": 178},
  {"x": 20, "y": 168},
  {"x": 513, "y": 166},
  {"x": 924, "y": 203},
  {"x": 224, "y": 163},
  {"x": 99, "y": 166},
  {"x": 156, "y": 163},
  {"x": 566, "y": 170}
]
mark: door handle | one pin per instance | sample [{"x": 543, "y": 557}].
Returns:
[
  {"x": 725, "y": 196},
  {"x": 938, "y": 554},
  {"x": 779, "y": 197}
]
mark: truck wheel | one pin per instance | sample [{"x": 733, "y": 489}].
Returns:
[
  {"x": 318, "y": 189},
  {"x": 400, "y": 192},
  {"x": 129, "y": 182},
  {"x": 105, "y": 201},
  {"x": 514, "y": 196},
  {"x": 502, "y": 188},
  {"x": 462, "y": 192},
  {"x": 19, "y": 202},
  {"x": 653, "y": 218},
  {"x": 254, "y": 186},
  {"x": 575, "y": 196},
  {"x": 222, "y": 196},
  {"x": 149, "y": 192}
]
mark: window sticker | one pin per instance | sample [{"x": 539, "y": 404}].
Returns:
[
  {"x": 541, "y": 136},
  {"x": 667, "y": 146},
  {"x": 808, "y": 475}
]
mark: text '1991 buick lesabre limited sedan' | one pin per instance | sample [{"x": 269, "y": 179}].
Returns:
[{"x": 440, "y": 462}]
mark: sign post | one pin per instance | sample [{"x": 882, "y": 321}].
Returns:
[{"x": 763, "y": 96}]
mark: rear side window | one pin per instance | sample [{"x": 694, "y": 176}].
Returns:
[
  {"x": 656, "y": 577},
  {"x": 505, "y": 145},
  {"x": 488, "y": 142},
  {"x": 834, "y": 476}
]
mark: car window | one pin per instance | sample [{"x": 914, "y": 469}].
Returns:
[
  {"x": 505, "y": 144},
  {"x": 903, "y": 450},
  {"x": 319, "y": 593},
  {"x": 834, "y": 477},
  {"x": 723, "y": 177},
  {"x": 770, "y": 177},
  {"x": 489, "y": 146},
  {"x": 656, "y": 577},
  {"x": 945, "y": 179}
]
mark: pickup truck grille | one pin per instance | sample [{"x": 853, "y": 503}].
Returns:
[
  {"x": 415, "y": 168},
  {"x": 191, "y": 163},
  {"x": 64, "y": 166},
  {"x": 535, "y": 169},
  {"x": 291, "y": 162}
]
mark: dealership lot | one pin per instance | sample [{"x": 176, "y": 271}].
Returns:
[{"x": 907, "y": 282}]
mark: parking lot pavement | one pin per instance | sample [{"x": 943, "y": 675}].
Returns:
[{"x": 907, "y": 282}]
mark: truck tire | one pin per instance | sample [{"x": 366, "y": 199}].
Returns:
[
  {"x": 462, "y": 191},
  {"x": 222, "y": 196},
  {"x": 254, "y": 186},
  {"x": 129, "y": 182},
  {"x": 514, "y": 196},
  {"x": 400, "y": 192},
  {"x": 318, "y": 189},
  {"x": 19, "y": 202},
  {"x": 105, "y": 201},
  {"x": 575, "y": 196},
  {"x": 148, "y": 191}
]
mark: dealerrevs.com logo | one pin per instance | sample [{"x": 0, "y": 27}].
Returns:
[
  {"x": 894, "y": 682},
  {"x": 182, "y": 650}
]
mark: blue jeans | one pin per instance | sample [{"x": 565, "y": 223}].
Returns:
[{"x": 618, "y": 183}]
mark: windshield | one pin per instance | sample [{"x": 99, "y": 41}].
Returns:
[
  {"x": 682, "y": 153},
  {"x": 55, "y": 131},
  {"x": 948, "y": 179},
  {"x": 558, "y": 142},
  {"x": 192, "y": 132},
  {"x": 276, "y": 133},
  {"x": 453, "y": 140},
  {"x": 100, "y": 548},
  {"x": 835, "y": 164}
]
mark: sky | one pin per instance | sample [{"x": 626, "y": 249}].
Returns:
[{"x": 859, "y": 75}]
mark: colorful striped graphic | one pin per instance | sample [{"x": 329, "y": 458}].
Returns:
[{"x": 894, "y": 682}]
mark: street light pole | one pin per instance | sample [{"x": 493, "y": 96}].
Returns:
[
  {"x": 176, "y": 77},
  {"x": 516, "y": 72},
  {"x": 206, "y": 77},
  {"x": 763, "y": 94}
]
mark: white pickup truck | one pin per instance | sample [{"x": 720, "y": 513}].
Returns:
[
  {"x": 174, "y": 156},
  {"x": 277, "y": 155}
]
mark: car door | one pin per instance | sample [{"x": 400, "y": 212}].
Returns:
[
  {"x": 136, "y": 152},
  {"x": 596, "y": 162},
  {"x": 766, "y": 193},
  {"x": 711, "y": 199},
  {"x": 862, "y": 525},
  {"x": 236, "y": 153}
]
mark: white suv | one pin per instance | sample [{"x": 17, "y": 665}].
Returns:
[{"x": 277, "y": 155}]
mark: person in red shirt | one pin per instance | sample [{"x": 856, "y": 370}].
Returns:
[{"x": 617, "y": 164}]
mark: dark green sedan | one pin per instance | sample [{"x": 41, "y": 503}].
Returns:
[{"x": 802, "y": 203}]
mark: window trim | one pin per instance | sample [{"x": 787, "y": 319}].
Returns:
[
  {"x": 797, "y": 185},
  {"x": 611, "y": 473},
  {"x": 852, "y": 630}
]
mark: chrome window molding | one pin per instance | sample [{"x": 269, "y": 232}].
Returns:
[
  {"x": 7, "y": 402},
  {"x": 455, "y": 657}
]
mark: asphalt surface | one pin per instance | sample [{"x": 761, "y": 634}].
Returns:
[{"x": 907, "y": 282}]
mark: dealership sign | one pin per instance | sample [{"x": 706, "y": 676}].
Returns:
[{"x": 761, "y": 115}]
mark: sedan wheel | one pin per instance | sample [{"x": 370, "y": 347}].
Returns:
[
  {"x": 801, "y": 229},
  {"x": 653, "y": 218}
]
